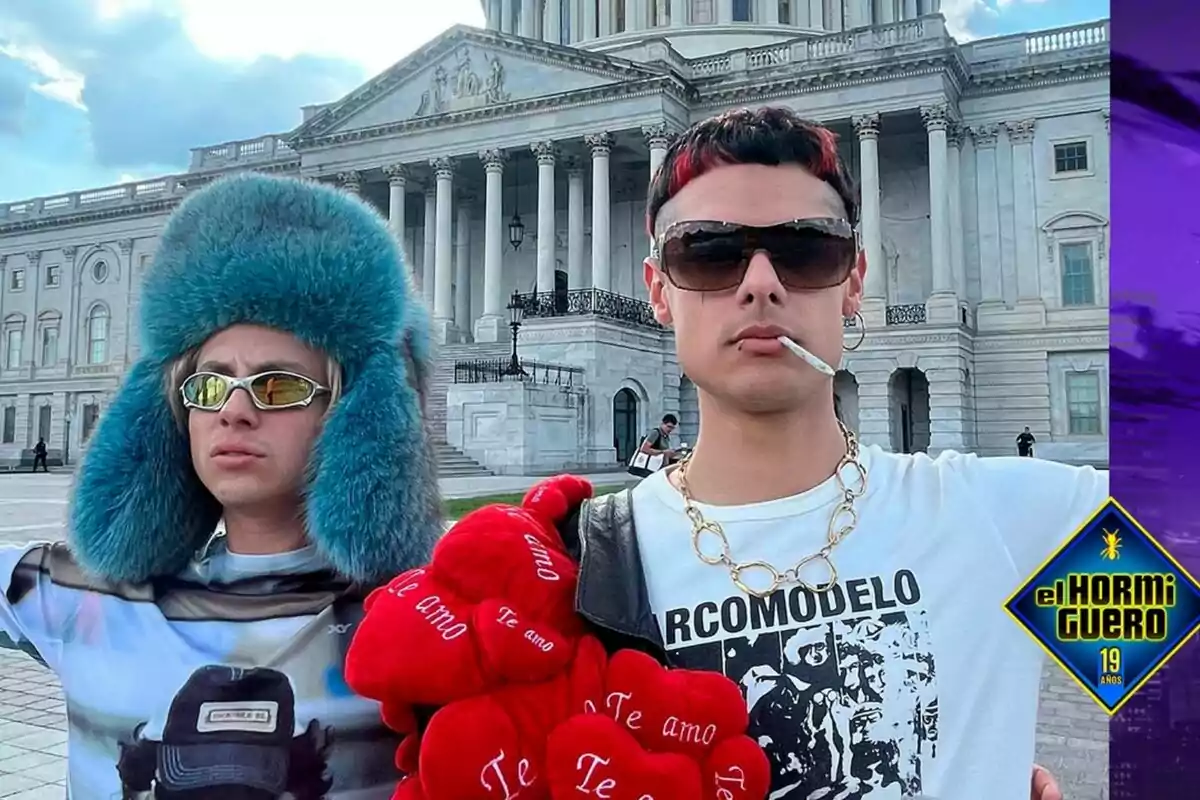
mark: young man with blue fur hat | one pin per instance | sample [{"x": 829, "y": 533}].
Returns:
[{"x": 263, "y": 465}]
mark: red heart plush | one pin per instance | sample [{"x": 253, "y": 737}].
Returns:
[
  {"x": 516, "y": 649},
  {"x": 591, "y": 755},
  {"x": 737, "y": 769},
  {"x": 473, "y": 750},
  {"x": 415, "y": 615},
  {"x": 674, "y": 711},
  {"x": 503, "y": 552}
]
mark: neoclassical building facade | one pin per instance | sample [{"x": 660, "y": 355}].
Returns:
[{"x": 515, "y": 159}]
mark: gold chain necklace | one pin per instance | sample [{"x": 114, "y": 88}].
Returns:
[{"x": 843, "y": 520}]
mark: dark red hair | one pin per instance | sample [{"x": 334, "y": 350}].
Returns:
[{"x": 772, "y": 136}]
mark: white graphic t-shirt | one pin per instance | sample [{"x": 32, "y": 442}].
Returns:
[
  {"x": 907, "y": 679},
  {"x": 224, "y": 682}
]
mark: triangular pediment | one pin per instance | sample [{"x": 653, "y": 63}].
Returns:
[{"x": 467, "y": 69}]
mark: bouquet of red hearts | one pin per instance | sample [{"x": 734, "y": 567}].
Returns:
[{"x": 527, "y": 703}]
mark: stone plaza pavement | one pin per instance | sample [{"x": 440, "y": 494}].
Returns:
[{"x": 1072, "y": 739}]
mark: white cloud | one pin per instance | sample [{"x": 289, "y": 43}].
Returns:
[
  {"x": 369, "y": 32},
  {"x": 57, "y": 82}
]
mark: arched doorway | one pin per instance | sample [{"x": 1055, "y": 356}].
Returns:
[
  {"x": 908, "y": 401},
  {"x": 845, "y": 398},
  {"x": 626, "y": 436}
]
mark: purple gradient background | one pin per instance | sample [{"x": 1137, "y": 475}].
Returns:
[{"x": 1155, "y": 358}]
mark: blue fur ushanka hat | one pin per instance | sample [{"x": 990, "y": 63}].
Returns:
[{"x": 319, "y": 264}]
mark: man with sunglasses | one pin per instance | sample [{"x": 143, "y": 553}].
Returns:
[
  {"x": 855, "y": 594},
  {"x": 263, "y": 465}
]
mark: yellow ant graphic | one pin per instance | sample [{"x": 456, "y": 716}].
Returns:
[{"x": 1112, "y": 546}]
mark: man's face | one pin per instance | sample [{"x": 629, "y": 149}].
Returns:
[
  {"x": 668, "y": 428},
  {"x": 278, "y": 442},
  {"x": 749, "y": 374}
]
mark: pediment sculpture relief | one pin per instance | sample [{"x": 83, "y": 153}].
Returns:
[{"x": 465, "y": 89}]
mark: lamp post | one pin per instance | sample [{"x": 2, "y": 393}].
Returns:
[
  {"x": 516, "y": 313},
  {"x": 516, "y": 232}
]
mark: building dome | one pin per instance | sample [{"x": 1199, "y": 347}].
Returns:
[{"x": 694, "y": 28}]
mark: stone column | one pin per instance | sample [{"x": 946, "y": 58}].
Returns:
[
  {"x": 601, "y": 146},
  {"x": 397, "y": 175},
  {"x": 816, "y": 14},
  {"x": 942, "y": 307},
  {"x": 575, "y": 226},
  {"x": 987, "y": 201},
  {"x": 771, "y": 12},
  {"x": 546, "y": 153},
  {"x": 506, "y": 16},
  {"x": 875, "y": 292},
  {"x": 553, "y": 32},
  {"x": 678, "y": 13},
  {"x": 462, "y": 265},
  {"x": 351, "y": 181},
  {"x": 958, "y": 267},
  {"x": 489, "y": 326},
  {"x": 658, "y": 139},
  {"x": 590, "y": 22},
  {"x": 443, "y": 299},
  {"x": 724, "y": 12},
  {"x": 529, "y": 21},
  {"x": 429, "y": 242},
  {"x": 1020, "y": 135}
]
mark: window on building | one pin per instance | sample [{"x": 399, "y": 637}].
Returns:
[
  {"x": 1078, "y": 278},
  {"x": 1083, "y": 403},
  {"x": 53, "y": 276},
  {"x": 49, "y": 346},
  {"x": 16, "y": 281},
  {"x": 97, "y": 335},
  {"x": 741, "y": 10},
  {"x": 9, "y": 434},
  {"x": 45, "y": 414},
  {"x": 91, "y": 413},
  {"x": 100, "y": 271},
  {"x": 13, "y": 341},
  {"x": 1070, "y": 157},
  {"x": 703, "y": 12},
  {"x": 785, "y": 12}
]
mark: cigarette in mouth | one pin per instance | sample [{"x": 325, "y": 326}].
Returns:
[{"x": 808, "y": 358}]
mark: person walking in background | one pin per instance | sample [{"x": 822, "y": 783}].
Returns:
[
  {"x": 655, "y": 451},
  {"x": 39, "y": 455},
  {"x": 1025, "y": 442}
]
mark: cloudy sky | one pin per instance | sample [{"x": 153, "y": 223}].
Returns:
[{"x": 93, "y": 92}]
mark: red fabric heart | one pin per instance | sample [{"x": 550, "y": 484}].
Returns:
[
  {"x": 473, "y": 750},
  {"x": 517, "y": 649},
  {"x": 591, "y": 755},
  {"x": 673, "y": 711},
  {"x": 737, "y": 769},
  {"x": 501, "y": 552},
  {"x": 416, "y": 615}
]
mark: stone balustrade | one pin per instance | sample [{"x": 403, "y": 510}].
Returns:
[
  {"x": 247, "y": 151},
  {"x": 929, "y": 30}
]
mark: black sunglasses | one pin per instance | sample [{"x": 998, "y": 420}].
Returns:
[{"x": 704, "y": 256}]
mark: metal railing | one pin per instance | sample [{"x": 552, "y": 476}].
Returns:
[
  {"x": 499, "y": 370},
  {"x": 588, "y": 302}
]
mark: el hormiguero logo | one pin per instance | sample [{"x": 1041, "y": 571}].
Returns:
[{"x": 1111, "y": 605}]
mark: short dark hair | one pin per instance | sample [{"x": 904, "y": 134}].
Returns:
[
  {"x": 669, "y": 419},
  {"x": 771, "y": 136}
]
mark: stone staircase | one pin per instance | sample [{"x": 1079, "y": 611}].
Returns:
[{"x": 453, "y": 463}]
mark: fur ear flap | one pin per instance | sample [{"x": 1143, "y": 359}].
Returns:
[
  {"x": 138, "y": 510},
  {"x": 373, "y": 508}
]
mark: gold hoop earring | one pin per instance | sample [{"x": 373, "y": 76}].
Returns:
[{"x": 861, "y": 324}]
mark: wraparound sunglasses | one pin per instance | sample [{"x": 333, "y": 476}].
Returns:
[{"x": 270, "y": 391}]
